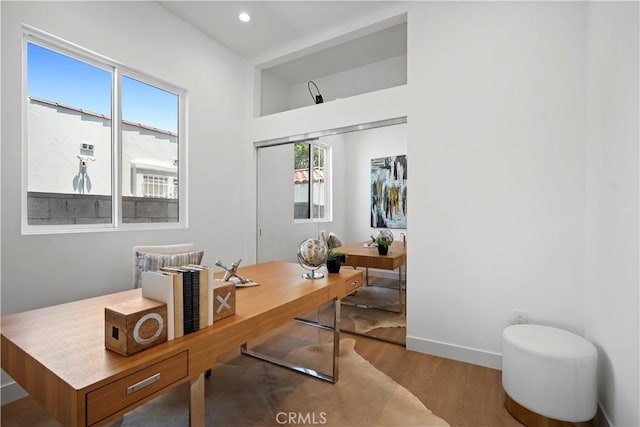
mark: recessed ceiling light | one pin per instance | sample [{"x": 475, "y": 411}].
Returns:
[{"x": 244, "y": 17}]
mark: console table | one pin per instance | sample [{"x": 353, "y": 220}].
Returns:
[
  {"x": 57, "y": 353},
  {"x": 361, "y": 255}
]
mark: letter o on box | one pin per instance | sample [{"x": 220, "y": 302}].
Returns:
[
  {"x": 135, "y": 325},
  {"x": 137, "y": 337},
  {"x": 548, "y": 372}
]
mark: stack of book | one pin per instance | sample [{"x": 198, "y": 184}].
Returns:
[{"x": 185, "y": 290}]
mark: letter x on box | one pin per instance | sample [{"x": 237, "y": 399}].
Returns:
[{"x": 224, "y": 300}]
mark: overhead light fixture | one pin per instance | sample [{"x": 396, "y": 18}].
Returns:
[
  {"x": 317, "y": 98},
  {"x": 244, "y": 17}
]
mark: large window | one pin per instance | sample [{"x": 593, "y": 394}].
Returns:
[
  {"x": 104, "y": 144},
  {"x": 311, "y": 181}
]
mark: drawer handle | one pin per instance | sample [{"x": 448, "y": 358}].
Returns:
[
  {"x": 354, "y": 283},
  {"x": 142, "y": 384}
]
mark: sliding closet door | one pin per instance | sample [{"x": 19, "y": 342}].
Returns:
[{"x": 278, "y": 235}]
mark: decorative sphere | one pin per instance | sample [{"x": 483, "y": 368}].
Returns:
[
  {"x": 385, "y": 235},
  {"x": 312, "y": 253}
]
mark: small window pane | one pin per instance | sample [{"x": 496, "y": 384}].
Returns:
[
  {"x": 301, "y": 180},
  {"x": 150, "y": 164},
  {"x": 68, "y": 140},
  {"x": 318, "y": 191},
  {"x": 310, "y": 189}
]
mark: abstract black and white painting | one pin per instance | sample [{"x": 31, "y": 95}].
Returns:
[{"x": 389, "y": 192}]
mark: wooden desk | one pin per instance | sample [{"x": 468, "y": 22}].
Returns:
[
  {"x": 359, "y": 255},
  {"x": 57, "y": 353},
  {"x": 368, "y": 257}
]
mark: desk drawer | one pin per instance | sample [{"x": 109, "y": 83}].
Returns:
[
  {"x": 116, "y": 396},
  {"x": 351, "y": 285}
]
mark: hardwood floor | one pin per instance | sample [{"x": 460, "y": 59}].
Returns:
[{"x": 460, "y": 393}]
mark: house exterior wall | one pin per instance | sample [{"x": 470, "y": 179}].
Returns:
[
  {"x": 55, "y": 136},
  {"x": 70, "y": 184}
]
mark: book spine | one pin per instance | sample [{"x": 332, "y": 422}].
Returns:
[
  {"x": 204, "y": 291},
  {"x": 178, "y": 305},
  {"x": 187, "y": 300},
  {"x": 203, "y": 274},
  {"x": 195, "y": 300}
]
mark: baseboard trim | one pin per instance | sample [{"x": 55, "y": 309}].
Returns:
[
  {"x": 10, "y": 392},
  {"x": 456, "y": 352},
  {"x": 601, "y": 419}
]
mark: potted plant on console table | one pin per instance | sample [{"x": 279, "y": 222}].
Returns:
[
  {"x": 383, "y": 246},
  {"x": 335, "y": 260}
]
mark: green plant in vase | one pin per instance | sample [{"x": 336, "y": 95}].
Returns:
[
  {"x": 383, "y": 246},
  {"x": 335, "y": 260}
]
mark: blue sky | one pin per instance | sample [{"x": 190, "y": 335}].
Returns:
[{"x": 59, "y": 78}]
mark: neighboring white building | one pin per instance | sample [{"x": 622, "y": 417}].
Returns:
[
  {"x": 70, "y": 152},
  {"x": 301, "y": 186}
]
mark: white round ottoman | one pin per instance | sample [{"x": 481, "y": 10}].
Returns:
[{"x": 550, "y": 372}]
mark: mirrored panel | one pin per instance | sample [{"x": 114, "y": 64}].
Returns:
[{"x": 342, "y": 186}]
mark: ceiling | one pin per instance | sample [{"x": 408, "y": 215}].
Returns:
[{"x": 279, "y": 27}]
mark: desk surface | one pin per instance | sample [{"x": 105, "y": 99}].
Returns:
[
  {"x": 360, "y": 256},
  {"x": 57, "y": 353}
]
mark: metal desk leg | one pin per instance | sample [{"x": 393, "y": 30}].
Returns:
[
  {"x": 376, "y": 307},
  {"x": 336, "y": 338},
  {"x": 400, "y": 289},
  {"x": 333, "y": 378}
]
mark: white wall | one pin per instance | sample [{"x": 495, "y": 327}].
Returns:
[
  {"x": 361, "y": 147},
  {"x": 524, "y": 115},
  {"x": 496, "y": 123},
  {"x": 272, "y": 92},
  {"x": 367, "y": 78},
  {"x": 611, "y": 293},
  {"x": 40, "y": 270}
]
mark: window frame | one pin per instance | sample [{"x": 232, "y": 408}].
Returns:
[
  {"x": 51, "y": 42},
  {"x": 328, "y": 193}
]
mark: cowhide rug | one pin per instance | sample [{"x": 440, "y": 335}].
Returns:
[
  {"x": 366, "y": 320},
  {"x": 375, "y": 295},
  {"x": 248, "y": 392}
]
